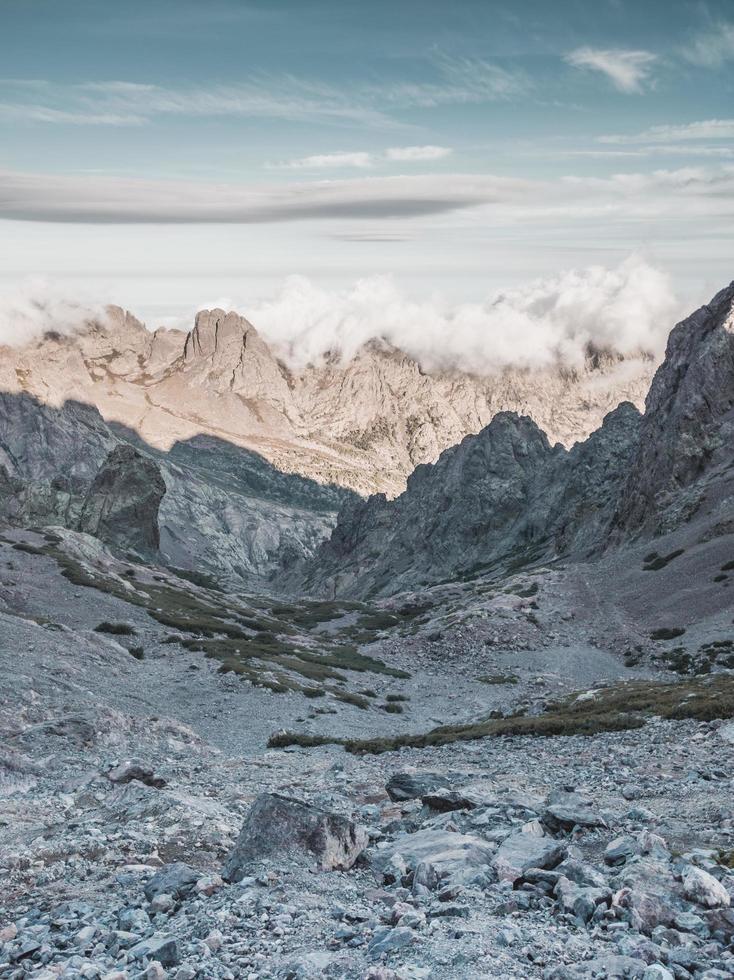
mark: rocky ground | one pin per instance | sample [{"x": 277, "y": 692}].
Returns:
[{"x": 129, "y": 764}]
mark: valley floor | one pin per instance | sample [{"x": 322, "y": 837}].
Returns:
[{"x": 587, "y": 856}]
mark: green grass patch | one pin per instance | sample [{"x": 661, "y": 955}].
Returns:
[
  {"x": 499, "y": 679},
  {"x": 620, "y": 708},
  {"x": 348, "y": 697}
]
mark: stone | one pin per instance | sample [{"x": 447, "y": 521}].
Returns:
[
  {"x": 127, "y": 771},
  {"x": 159, "y": 947},
  {"x": 414, "y": 785},
  {"x": 701, "y": 887},
  {"x": 286, "y": 828},
  {"x": 389, "y": 940},
  {"x": 569, "y": 811},
  {"x": 520, "y": 852},
  {"x": 432, "y": 857},
  {"x": 620, "y": 850},
  {"x": 656, "y": 971},
  {"x": 176, "y": 880}
]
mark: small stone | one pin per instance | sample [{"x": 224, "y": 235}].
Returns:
[
  {"x": 701, "y": 887},
  {"x": 387, "y": 940}
]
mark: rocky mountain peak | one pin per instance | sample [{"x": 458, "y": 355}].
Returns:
[{"x": 688, "y": 413}]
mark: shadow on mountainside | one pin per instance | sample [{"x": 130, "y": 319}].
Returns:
[{"x": 226, "y": 508}]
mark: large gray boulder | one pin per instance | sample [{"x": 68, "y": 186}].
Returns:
[
  {"x": 121, "y": 506},
  {"x": 520, "y": 852},
  {"x": 288, "y": 829},
  {"x": 431, "y": 858},
  {"x": 176, "y": 880},
  {"x": 408, "y": 785}
]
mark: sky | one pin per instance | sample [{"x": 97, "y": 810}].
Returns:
[{"x": 171, "y": 154}]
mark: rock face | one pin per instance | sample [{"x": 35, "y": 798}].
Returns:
[
  {"x": 278, "y": 826},
  {"x": 226, "y": 511},
  {"x": 121, "y": 506},
  {"x": 506, "y": 496},
  {"x": 687, "y": 427},
  {"x": 502, "y": 494},
  {"x": 364, "y": 424}
]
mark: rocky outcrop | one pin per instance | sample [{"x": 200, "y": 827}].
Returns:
[
  {"x": 227, "y": 512},
  {"x": 284, "y": 827},
  {"x": 121, "y": 506},
  {"x": 453, "y": 517},
  {"x": 686, "y": 433},
  {"x": 505, "y": 496}
]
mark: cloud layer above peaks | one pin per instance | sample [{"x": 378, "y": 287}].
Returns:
[{"x": 630, "y": 309}]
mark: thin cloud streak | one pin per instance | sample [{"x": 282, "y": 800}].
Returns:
[
  {"x": 706, "y": 129},
  {"x": 288, "y": 97},
  {"x": 362, "y": 159},
  {"x": 627, "y": 70},
  {"x": 713, "y": 48},
  {"x": 698, "y": 192}
]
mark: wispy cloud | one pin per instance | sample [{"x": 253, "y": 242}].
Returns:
[
  {"x": 363, "y": 160},
  {"x": 126, "y": 103},
  {"x": 327, "y": 161},
  {"x": 628, "y": 71},
  {"x": 411, "y": 154},
  {"x": 706, "y": 129},
  {"x": 460, "y": 81},
  {"x": 27, "y": 112},
  {"x": 288, "y": 97},
  {"x": 713, "y": 48}
]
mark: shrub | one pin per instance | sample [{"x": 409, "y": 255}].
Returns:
[
  {"x": 667, "y": 633},
  {"x": 655, "y": 562},
  {"x": 116, "y": 629},
  {"x": 498, "y": 679},
  {"x": 137, "y": 652}
]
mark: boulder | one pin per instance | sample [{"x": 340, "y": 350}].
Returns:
[
  {"x": 701, "y": 887},
  {"x": 432, "y": 857},
  {"x": 285, "y": 828},
  {"x": 520, "y": 852},
  {"x": 161, "y": 948},
  {"x": 127, "y": 771},
  {"x": 176, "y": 880},
  {"x": 415, "y": 785},
  {"x": 569, "y": 810}
]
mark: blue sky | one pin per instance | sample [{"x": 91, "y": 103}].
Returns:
[{"x": 169, "y": 153}]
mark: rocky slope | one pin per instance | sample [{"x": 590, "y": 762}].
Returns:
[
  {"x": 151, "y": 830},
  {"x": 505, "y": 495},
  {"x": 364, "y": 424},
  {"x": 224, "y": 511}
]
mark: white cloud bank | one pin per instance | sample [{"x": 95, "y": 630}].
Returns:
[
  {"x": 551, "y": 321},
  {"x": 630, "y": 309},
  {"x": 627, "y": 70},
  {"x": 38, "y": 307}
]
